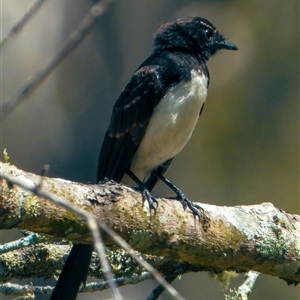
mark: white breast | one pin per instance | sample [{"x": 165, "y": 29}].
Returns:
[{"x": 171, "y": 125}]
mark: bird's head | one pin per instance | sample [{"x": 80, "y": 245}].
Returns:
[{"x": 194, "y": 34}]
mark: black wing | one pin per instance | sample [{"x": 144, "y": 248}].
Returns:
[{"x": 129, "y": 120}]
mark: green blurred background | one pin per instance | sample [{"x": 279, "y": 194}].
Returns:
[{"x": 245, "y": 149}]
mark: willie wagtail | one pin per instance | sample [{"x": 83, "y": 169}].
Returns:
[{"x": 152, "y": 121}]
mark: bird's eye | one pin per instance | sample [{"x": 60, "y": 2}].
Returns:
[{"x": 208, "y": 34}]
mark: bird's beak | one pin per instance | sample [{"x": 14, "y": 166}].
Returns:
[{"x": 227, "y": 45}]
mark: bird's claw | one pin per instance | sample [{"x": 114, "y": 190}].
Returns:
[
  {"x": 152, "y": 201},
  {"x": 196, "y": 209}
]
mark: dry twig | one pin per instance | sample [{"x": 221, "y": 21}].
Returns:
[
  {"x": 17, "y": 28},
  {"x": 70, "y": 44}
]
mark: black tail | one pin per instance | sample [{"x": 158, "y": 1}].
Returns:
[
  {"x": 74, "y": 273},
  {"x": 114, "y": 160},
  {"x": 113, "y": 163}
]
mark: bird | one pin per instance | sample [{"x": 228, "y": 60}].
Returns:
[{"x": 151, "y": 122}]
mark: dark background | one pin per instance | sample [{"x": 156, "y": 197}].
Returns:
[{"x": 245, "y": 149}]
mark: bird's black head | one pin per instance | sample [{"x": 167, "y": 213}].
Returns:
[{"x": 194, "y": 34}]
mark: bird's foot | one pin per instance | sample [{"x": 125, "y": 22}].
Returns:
[
  {"x": 146, "y": 196},
  {"x": 104, "y": 181},
  {"x": 152, "y": 201},
  {"x": 196, "y": 209}
]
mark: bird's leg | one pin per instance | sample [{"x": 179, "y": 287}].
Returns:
[
  {"x": 146, "y": 195},
  {"x": 180, "y": 196}
]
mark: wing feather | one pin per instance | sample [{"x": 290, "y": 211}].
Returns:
[{"x": 129, "y": 120}]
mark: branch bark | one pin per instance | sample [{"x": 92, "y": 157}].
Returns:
[
  {"x": 44, "y": 261},
  {"x": 242, "y": 238}
]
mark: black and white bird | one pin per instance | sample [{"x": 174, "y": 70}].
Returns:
[{"x": 152, "y": 121}]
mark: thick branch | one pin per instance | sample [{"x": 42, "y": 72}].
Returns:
[
  {"x": 259, "y": 237},
  {"x": 44, "y": 261}
]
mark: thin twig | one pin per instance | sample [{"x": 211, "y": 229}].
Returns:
[
  {"x": 18, "y": 289},
  {"x": 100, "y": 286},
  {"x": 30, "y": 186},
  {"x": 17, "y": 28},
  {"x": 98, "y": 243},
  {"x": 70, "y": 44},
  {"x": 91, "y": 287},
  {"x": 22, "y": 242},
  {"x": 246, "y": 288}
]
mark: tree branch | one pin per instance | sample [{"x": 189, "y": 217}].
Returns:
[
  {"x": 70, "y": 44},
  {"x": 246, "y": 288},
  {"x": 258, "y": 237},
  {"x": 44, "y": 261},
  {"x": 35, "y": 189},
  {"x": 26, "y": 290},
  {"x": 17, "y": 28}
]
